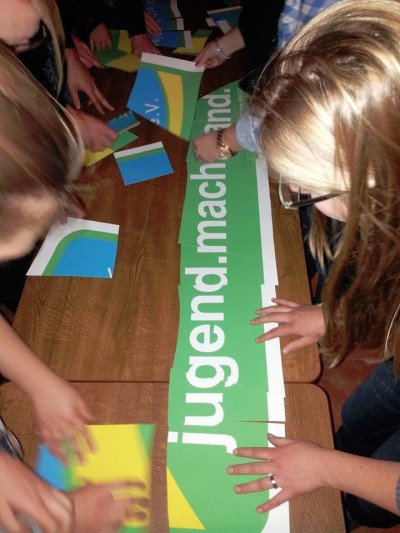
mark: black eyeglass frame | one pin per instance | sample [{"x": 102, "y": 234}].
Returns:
[{"x": 305, "y": 202}]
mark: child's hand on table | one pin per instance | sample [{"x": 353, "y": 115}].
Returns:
[
  {"x": 99, "y": 510},
  {"x": 304, "y": 321},
  {"x": 60, "y": 415},
  {"x": 296, "y": 466},
  {"x": 26, "y": 497}
]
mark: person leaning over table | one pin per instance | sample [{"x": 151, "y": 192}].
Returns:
[
  {"x": 263, "y": 28},
  {"x": 330, "y": 130},
  {"x": 34, "y": 191},
  {"x": 256, "y": 32}
]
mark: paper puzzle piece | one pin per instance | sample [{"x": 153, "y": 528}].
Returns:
[
  {"x": 230, "y": 15},
  {"x": 143, "y": 163},
  {"x": 208, "y": 451},
  {"x": 165, "y": 92},
  {"x": 123, "y": 122},
  {"x": 162, "y": 10},
  {"x": 81, "y": 248},
  {"x": 123, "y": 139},
  {"x": 126, "y": 62},
  {"x": 171, "y": 24},
  {"x": 199, "y": 39},
  {"x": 120, "y": 54},
  {"x": 173, "y": 38},
  {"x": 123, "y": 452}
]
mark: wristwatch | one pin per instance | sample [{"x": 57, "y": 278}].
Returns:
[{"x": 223, "y": 149}]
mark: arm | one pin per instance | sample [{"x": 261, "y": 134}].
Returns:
[
  {"x": 217, "y": 52},
  {"x": 59, "y": 411},
  {"x": 300, "y": 467},
  {"x": 26, "y": 497}
]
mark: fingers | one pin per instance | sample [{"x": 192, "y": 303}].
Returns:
[
  {"x": 273, "y": 502},
  {"x": 258, "y": 485},
  {"x": 98, "y": 100},
  {"x": 256, "y": 468},
  {"x": 75, "y": 98}
]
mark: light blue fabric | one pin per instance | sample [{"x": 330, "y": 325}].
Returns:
[
  {"x": 295, "y": 14},
  {"x": 247, "y": 130},
  {"x": 398, "y": 494}
]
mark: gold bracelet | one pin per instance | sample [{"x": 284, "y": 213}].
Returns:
[{"x": 223, "y": 149}]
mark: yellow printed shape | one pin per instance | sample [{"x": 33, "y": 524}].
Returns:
[
  {"x": 127, "y": 63},
  {"x": 173, "y": 89},
  {"x": 198, "y": 45},
  {"x": 120, "y": 456},
  {"x": 92, "y": 157},
  {"x": 124, "y": 43},
  {"x": 180, "y": 513}
]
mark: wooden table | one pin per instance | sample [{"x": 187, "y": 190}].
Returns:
[
  {"x": 320, "y": 511},
  {"x": 116, "y": 338},
  {"x": 125, "y": 329}
]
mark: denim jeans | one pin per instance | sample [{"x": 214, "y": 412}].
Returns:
[{"x": 371, "y": 428}]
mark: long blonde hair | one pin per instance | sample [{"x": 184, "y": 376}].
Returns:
[
  {"x": 40, "y": 145},
  {"x": 332, "y": 124}
]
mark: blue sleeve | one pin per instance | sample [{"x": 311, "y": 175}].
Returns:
[
  {"x": 398, "y": 494},
  {"x": 247, "y": 128}
]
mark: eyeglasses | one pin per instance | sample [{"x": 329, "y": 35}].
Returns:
[{"x": 295, "y": 199}]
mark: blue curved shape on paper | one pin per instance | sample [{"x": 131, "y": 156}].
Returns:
[
  {"x": 87, "y": 257},
  {"x": 148, "y": 98}
]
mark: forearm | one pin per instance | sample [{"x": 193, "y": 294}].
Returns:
[
  {"x": 231, "y": 42},
  {"x": 19, "y": 363},
  {"x": 370, "y": 479}
]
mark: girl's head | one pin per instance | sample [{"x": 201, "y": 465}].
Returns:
[
  {"x": 40, "y": 153},
  {"x": 332, "y": 102},
  {"x": 23, "y": 23}
]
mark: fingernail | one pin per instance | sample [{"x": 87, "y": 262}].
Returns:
[
  {"x": 259, "y": 510},
  {"x": 229, "y": 470},
  {"x": 238, "y": 490}
]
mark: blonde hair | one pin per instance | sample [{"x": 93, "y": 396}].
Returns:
[
  {"x": 40, "y": 145},
  {"x": 332, "y": 103}
]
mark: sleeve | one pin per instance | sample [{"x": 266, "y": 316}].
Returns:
[
  {"x": 398, "y": 494},
  {"x": 247, "y": 128},
  {"x": 131, "y": 13}
]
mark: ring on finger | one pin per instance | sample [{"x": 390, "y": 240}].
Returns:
[{"x": 273, "y": 482}]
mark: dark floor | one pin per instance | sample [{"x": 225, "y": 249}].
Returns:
[{"x": 338, "y": 383}]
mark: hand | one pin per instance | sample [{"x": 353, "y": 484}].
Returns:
[
  {"x": 297, "y": 466},
  {"x": 152, "y": 25},
  {"x": 205, "y": 147},
  {"x": 60, "y": 416},
  {"x": 24, "y": 493},
  {"x": 96, "y": 134},
  {"x": 86, "y": 56},
  {"x": 100, "y": 38},
  {"x": 209, "y": 57},
  {"x": 141, "y": 43},
  {"x": 97, "y": 511},
  {"x": 304, "y": 321},
  {"x": 79, "y": 79}
]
